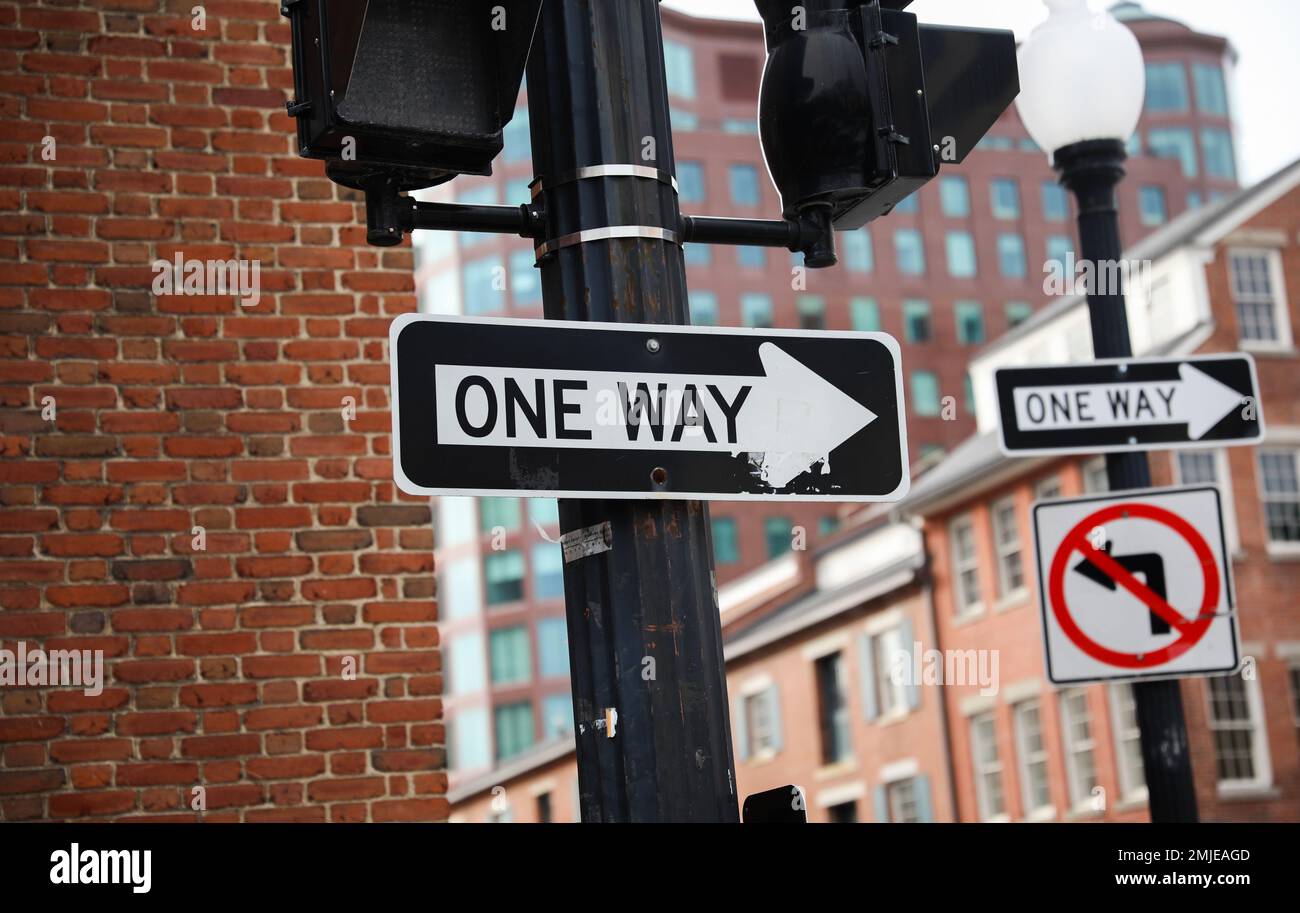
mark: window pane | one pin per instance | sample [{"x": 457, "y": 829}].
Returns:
[
  {"x": 756, "y": 309},
  {"x": 1252, "y": 285},
  {"x": 679, "y": 64},
  {"x": 553, "y": 648},
  {"x": 1216, "y": 146},
  {"x": 557, "y": 716},
  {"x": 1211, "y": 93},
  {"x": 514, "y": 726},
  {"x": 954, "y": 197},
  {"x": 1018, "y": 312},
  {"x": 925, "y": 393},
  {"x": 525, "y": 279},
  {"x": 1056, "y": 202},
  {"x": 832, "y": 708},
  {"x": 698, "y": 254},
  {"x": 510, "y": 655},
  {"x": 970, "y": 322},
  {"x": 704, "y": 308},
  {"x": 1005, "y": 198},
  {"x": 505, "y": 577},
  {"x": 505, "y": 513},
  {"x": 779, "y": 533},
  {"x": 1280, "y": 481},
  {"x": 909, "y": 249},
  {"x": 1166, "y": 87},
  {"x": 858, "y": 255},
  {"x": 482, "y": 286},
  {"x": 1175, "y": 143},
  {"x": 812, "y": 312},
  {"x": 468, "y": 668},
  {"x": 961, "y": 255},
  {"x": 690, "y": 182},
  {"x": 744, "y": 185},
  {"x": 518, "y": 143},
  {"x": 752, "y": 256},
  {"x": 461, "y": 595},
  {"x": 548, "y": 570},
  {"x": 545, "y": 511},
  {"x": 1152, "y": 204},
  {"x": 916, "y": 320},
  {"x": 1011, "y": 256},
  {"x": 865, "y": 315},
  {"x": 726, "y": 541}
]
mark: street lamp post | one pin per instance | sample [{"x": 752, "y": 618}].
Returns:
[{"x": 1083, "y": 85}]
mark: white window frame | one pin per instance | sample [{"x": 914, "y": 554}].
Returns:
[
  {"x": 1281, "y": 307},
  {"x": 1025, "y": 757},
  {"x": 983, "y": 770},
  {"x": 1223, "y": 481},
  {"x": 965, "y": 608},
  {"x": 1263, "y": 779},
  {"x": 1129, "y": 789},
  {"x": 1090, "y": 467},
  {"x": 760, "y": 688},
  {"x": 1080, "y": 800},
  {"x": 1040, "y": 487},
  {"x": 900, "y": 783},
  {"x": 1275, "y": 445},
  {"x": 884, "y": 683},
  {"x": 1002, "y": 552}
]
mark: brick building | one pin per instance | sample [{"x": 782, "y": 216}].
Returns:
[{"x": 199, "y": 488}]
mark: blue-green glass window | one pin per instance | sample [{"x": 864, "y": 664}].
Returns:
[
  {"x": 858, "y": 254},
  {"x": 1194, "y": 199},
  {"x": 1004, "y": 198},
  {"x": 544, "y": 511},
  {"x": 552, "y": 648},
  {"x": 548, "y": 570},
  {"x": 1211, "y": 92},
  {"x": 908, "y": 205},
  {"x": 679, "y": 64},
  {"x": 1216, "y": 146},
  {"x": 827, "y": 524},
  {"x": 812, "y": 312},
  {"x": 1134, "y": 145},
  {"x": 518, "y": 191},
  {"x": 909, "y": 249},
  {"x": 916, "y": 320},
  {"x": 1011, "y": 256},
  {"x": 954, "y": 197},
  {"x": 683, "y": 121},
  {"x": 468, "y": 739},
  {"x": 557, "y": 715},
  {"x": 925, "y": 393},
  {"x": 750, "y": 256},
  {"x": 514, "y": 728},
  {"x": 690, "y": 182},
  {"x": 968, "y": 388},
  {"x": 459, "y": 588},
  {"x": 865, "y": 315},
  {"x": 739, "y": 125},
  {"x": 525, "y": 279},
  {"x": 466, "y": 667},
  {"x": 970, "y": 322},
  {"x": 704, "y": 308},
  {"x": 503, "y": 512},
  {"x": 961, "y": 255},
  {"x": 756, "y": 309},
  {"x": 1056, "y": 203},
  {"x": 778, "y": 532},
  {"x": 481, "y": 285},
  {"x": 1175, "y": 143},
  {"x": 1027, "y": 144},
  {"x": 1059, "y": 250},
  {"x": 518, "y": 143},
  {"x": 504, "y": 572},
  {"x": 1166, "y": 87},
  {"x": 726, "y": 540},
  {"x": 1152, "y": 205},
  {"x": 1018, "y": 312},
  {"x": 511, "y": 656},
  {"x": 744, "y": 184},
  {"x": 698, "y": 254}
]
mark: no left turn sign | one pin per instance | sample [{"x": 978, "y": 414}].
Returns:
[{"x": 1135, "y": 585}]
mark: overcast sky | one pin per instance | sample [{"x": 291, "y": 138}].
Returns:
[{"x": 1265, "y": 33}]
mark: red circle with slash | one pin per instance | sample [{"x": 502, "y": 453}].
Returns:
[{"x": 1190, "y": 631}]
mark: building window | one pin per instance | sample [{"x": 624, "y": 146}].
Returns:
[
  {"x": 1211, "y": 92},
  {"x": 1031, "y": 750},
  {"x": 1080, "y": 747},
  {"x": 1166, "y": 87},
  {"x": 756, "y": 310},
  {"x": 961, "y": 255},
  {"x": 1056, "y": 202},
  {"x": 543, "y": 511},
  {"x": 481, "y": 286},
  {"x": 1017, "y": 313},
  {"x": 864, "y": 313},
  {"x": 1259, "y": 314},
  {"x": 1197, "y": 467},
  {"x": 511, "y": 654},
  {"x": 1279, "y": 472},
  {"x": 909, "y": 251},
  {"x": 1004, "y": 197},
  {"x": 1175, "y": 143},
  {"x": 679, "y": 65},
  {"x": 843, "y": 813},
  {"x": 858, "y": 254},
  {"x": 1060, "y": 251},
  {"x": 905, "y": 801},
  {"x": 690, "y": 182},
  {"x": 1128, "y": 739},
  {"x": 1151, "y": 203},
  {"x": 505, "y": 577},
  {"x": 698, "y": 254},
  {"x": 762, "y": 723},
  {"x": 887, "y": 651},
  {"x": 832, "y": 708},
  {"x": 965, "y": 567},
  {"x": 1236, "y": 723},
  {"x": 467, "y": 671},
  {"x": 459, "y": 588},
  {"x": 704, "y": 308},
  {"x": 1048, "y": 488},
  {"x": 908, "y": 205},
  {"x": 726, "y": 540},
  {"x": 1293, "y": 676},
  {"x": 954, "y": 197},
  {"x": 812, "y": 312},
  {"x": 544, "y": 813},
  {"x": 548, "y": 571},
  {"x": 750, "y": 256},
  {"x": 518, "y": 142},
  {"x": 779, "y": 535},
  {"x": 469, "y": 740},
  {"x": 1095, "y": 478},
  {"x": 988, "y": 767},
  {"x": 557, "y": 715},
  {"x": 503, "y": 513},
  {"x": 457, "y": 521},
  {"x": 970, "y": 322},
  {"x": 925, "y": 393},
  {"x": 916, "y": 320},
  {"x": 1216, "y": 147},
  {"x": 1006, "y": 535},
  {"x": 525, "y": 280},
  {"x": 744, "y": 185},
  {"x": 514, "y": 726},
  {"x": 1011, "y": 256},
  {"x": 552, "y": 648}
]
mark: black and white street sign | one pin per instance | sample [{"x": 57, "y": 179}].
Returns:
[
  {"x": 605, "y": 410},
  {"x": 1135, "y": 585},
  {"x": 1129, "y": 404}
]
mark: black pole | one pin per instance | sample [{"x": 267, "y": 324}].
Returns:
[
  {"x": 645, "y": 638},
  {"x": 1092, "y": 170}
]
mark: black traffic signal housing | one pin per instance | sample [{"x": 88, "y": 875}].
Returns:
[
  {"x": 861, "y": 105},
  {"x": 407, "y": 92}
]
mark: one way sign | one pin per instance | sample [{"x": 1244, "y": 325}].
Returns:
[
  {"x": 568, "y": 409},
  {"x": 1129, "y": 404}
]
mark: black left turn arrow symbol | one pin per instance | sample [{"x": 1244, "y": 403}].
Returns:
[{"x": 1150, "y": 565}]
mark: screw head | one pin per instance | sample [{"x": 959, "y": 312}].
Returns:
[{"x": 652, "y": 345}]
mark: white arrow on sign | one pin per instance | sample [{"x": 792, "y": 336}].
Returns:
[
  {"x": 1196, "y": 400},
  {"x": 786, "y": 420}
]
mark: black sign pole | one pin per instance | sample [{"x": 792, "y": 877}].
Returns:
[
  {"x": 645, "y": 640},
  {"x": 1093, "y": 170}
]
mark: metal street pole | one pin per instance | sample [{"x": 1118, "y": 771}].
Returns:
[
  {"x": 645, "y": 638},
  {"x": 1092, "y": 170}
]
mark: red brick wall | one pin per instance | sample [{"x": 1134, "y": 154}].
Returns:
[{"x": 223, "y": 665}]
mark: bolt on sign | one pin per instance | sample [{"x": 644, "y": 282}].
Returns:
[
  {"x": 1135, "y": 585},
  {"x": 1115, "y": 405},
  {"x": 602, "y": 410}
]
